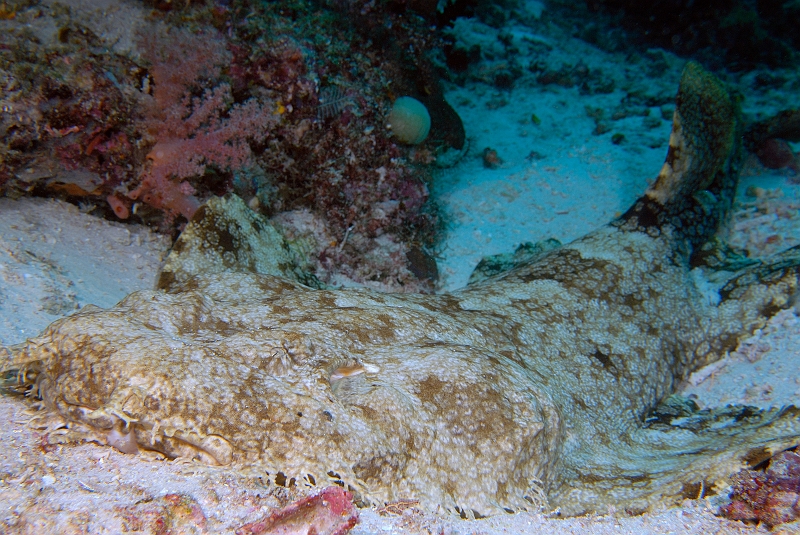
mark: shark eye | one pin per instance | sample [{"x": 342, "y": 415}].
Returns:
[
  {"x": 351, "y": 370},
  {"x": 343, "y": 372}
]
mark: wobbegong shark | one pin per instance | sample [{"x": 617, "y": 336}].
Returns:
[{"x": 541, "y": 386}]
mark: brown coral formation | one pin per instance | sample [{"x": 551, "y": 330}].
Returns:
[
  {"x": 171, "y": 513},
  {"x": 769, "y": 139},
  {"x": 771, "y": 496}
]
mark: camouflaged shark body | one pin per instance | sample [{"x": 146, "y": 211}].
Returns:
[{"x": 527, "y": 389}]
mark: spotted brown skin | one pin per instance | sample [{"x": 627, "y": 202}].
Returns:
[{"x": 524, "y": 390}]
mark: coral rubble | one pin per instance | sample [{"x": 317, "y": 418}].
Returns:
[{"x": 771, "y": 496}]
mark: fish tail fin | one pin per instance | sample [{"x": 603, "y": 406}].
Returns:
[
  {"x": 748, "y": 299},
  {"x": 783, "y": 267},
  {"x": 695, "y": 187},
  {"x": 686, "y": 454}
]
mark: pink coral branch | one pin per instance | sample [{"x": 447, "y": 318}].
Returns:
[
  {"x": 329, "y": 512},
  {"x": 193, "y": 132}
]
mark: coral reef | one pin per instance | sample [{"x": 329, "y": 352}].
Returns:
[
  {"x": 504, "y": 57},
  {"x": 739, "y": 34},
  {"x": 274, "y": 102},
  {"x": 188, "y": 133},
  {"x": 771, "y": 496},
  {"x": 339, "y": 162},
  {"x": 768, "y": 140},
  {"x": 327, "y": 512},
  {"x": 171, "y": 513},
  {"x": 67, "y": 126}
]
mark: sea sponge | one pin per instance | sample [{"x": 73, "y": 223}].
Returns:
[{"x": 409, "y": 120}]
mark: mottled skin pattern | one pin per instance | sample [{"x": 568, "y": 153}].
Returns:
[{"x": 524, "y": 390}]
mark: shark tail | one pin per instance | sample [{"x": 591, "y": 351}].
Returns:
[
  {"x": 678, "y": 455},
  {"x": 685, "y": 452},
  {"x": 694, "y": 190}
]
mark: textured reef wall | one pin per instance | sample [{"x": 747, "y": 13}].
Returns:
[{"x": 284, "y": 105}]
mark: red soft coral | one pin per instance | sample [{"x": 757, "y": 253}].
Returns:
[
  {"x": 772, "y": 497},
  {"x": 191, "y": 132}
]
